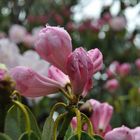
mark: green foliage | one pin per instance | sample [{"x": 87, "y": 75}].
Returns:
[
  {"x": 48, "y": 129},
  {"x": 15, "y": 123},
  {"x": 29, "y": 136},
  {"x": 84, "y": 136},
  {"x": 4, "y": 137}
]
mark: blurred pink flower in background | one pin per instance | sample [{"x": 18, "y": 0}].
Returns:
[
  {"x": 117, "y": 23},
  {"x": 31, "y": 59},
  {"x": 28, "y": 40},
  {"x": 17, "y": 33},
  {"x": 124, "y": 69},
  {"x": 112, "y": 85},
  {"x": 9, "y": 53},
  {"x": 137, "y": 63},
  {"x": 112, "y": 69}
]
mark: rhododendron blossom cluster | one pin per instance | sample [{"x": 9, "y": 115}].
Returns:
[{"x": 69, "y": 68}]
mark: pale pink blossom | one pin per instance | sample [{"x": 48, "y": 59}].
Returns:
[
  {"x": 9, "y": 53},
  {"x": 101, "y": 116},
  {"x": 31, "y": 59},
  {"x": 31, "y": 84},
  {"x": 57, "y": 75},
  {"x": 35, "y": 31},
  {"x": 17, "y": 33},
  {"x": 97, "y": 59},
  {"x": 28, "y": 40},
  {"x": 54, "y": 45},
  {"x": 112, "y": 85},
  {"x": 121, "y": 133},
  {"x": 79, "y": 69},
  {"x": 136, "y": 133}
]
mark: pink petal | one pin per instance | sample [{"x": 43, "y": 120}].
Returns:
[
  {"x": 97, "y": 59},
  {"x": 121, "y": 133},
  {"x": 54, "y": 45},
  {"x": 31, "y": 84},
  {"x": 77, "y": 69},
  {"x": 57, "y": 75}
]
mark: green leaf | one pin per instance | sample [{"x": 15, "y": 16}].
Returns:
[
  {"x": 15, "y": 123},
  {"x": 28, "y": 136},
  {"x": 84, "y": 136},
  {"x": 4, "y": 137},
  {"x": 47, "y": 133},
  {"x": 96, "y": 137},
  {"x": 69, "y": 133},
  {"x": 34, "y": 125}
]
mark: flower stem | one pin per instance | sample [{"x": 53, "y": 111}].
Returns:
[
  {"x": 60, "y": 104},
  {"x": 79, "y": 125},
  {"x": 22, "y": 107},
  {"x": 66, "y": 94},
  {"x": 90, "y": 128},
  {"x": 56, "y": 125}
]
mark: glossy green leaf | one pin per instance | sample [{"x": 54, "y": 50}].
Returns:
[
  {"x": 84, "y": 136},
  {"x": 69, "y": 133},
  {"x": 29, "y": 136},
  {"x": 15, "y": 123},
  {"x": 47, "y": 133},
  {"x": 4, "y": 137}
]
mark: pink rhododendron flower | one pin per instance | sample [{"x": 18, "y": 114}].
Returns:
[
  {"x": 54, "y": 45},
  {"x": 57, "y": 75},
  {"x": 121, "y": 133},
  {"x": 17, "y": 33},
  {"x": 79, "y": 69},
  {"x": 101, "y": 116},
  {"x": 74, "y": 68},
  {"x": 136, "y": 133},
  {"x": 31, "y": 84},
  {"x": 112, "y": 85}
]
